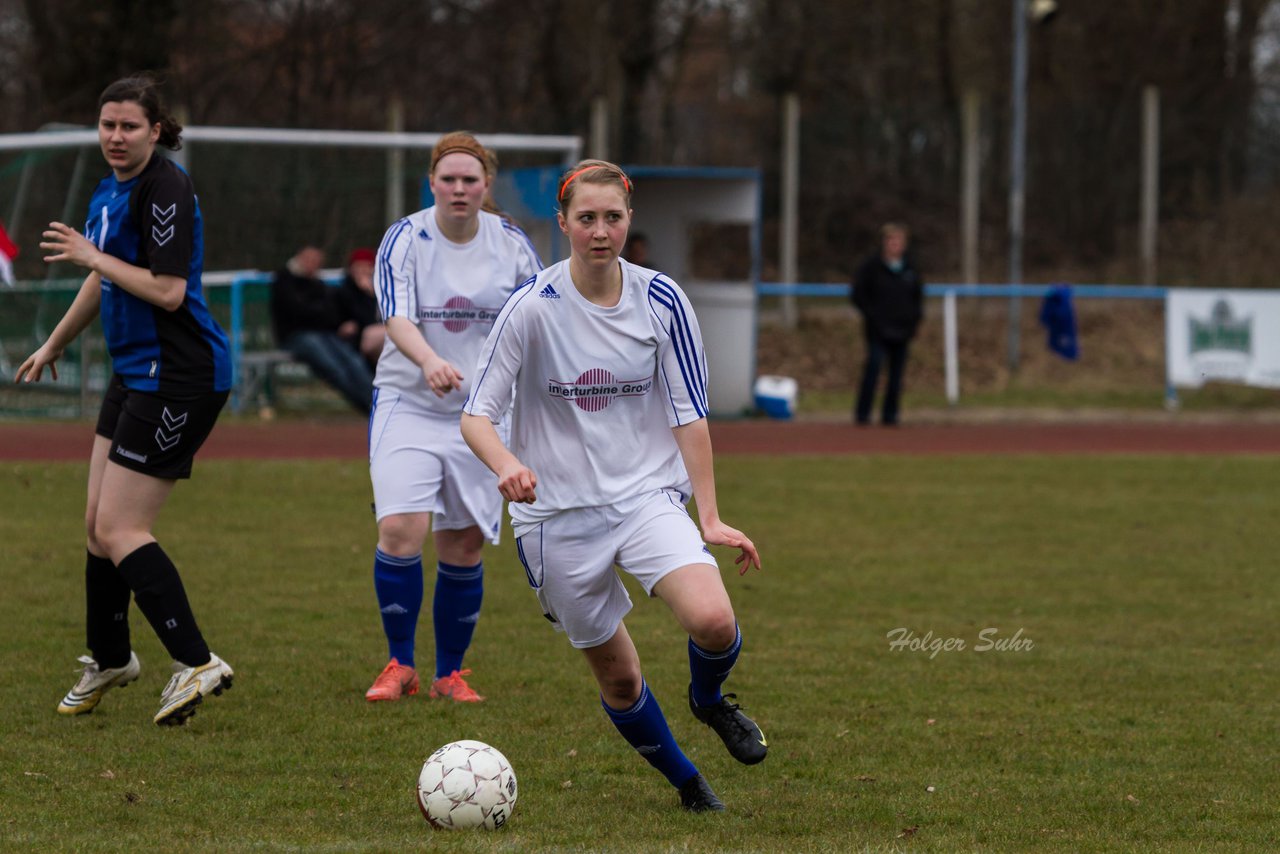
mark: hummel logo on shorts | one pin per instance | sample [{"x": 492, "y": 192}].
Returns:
[
  {"x": 549, "y": 293},
  {"x": 141, "y": 458}
]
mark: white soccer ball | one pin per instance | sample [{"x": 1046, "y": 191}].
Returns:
[{"x": 467, "y": 784}]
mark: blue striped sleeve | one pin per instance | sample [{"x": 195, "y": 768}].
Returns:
[
  {"x": 676, "y": 316},
  {"x": 526, "y": 245},
  {"x": 501, "y": 338},
  {"x": 384, "y": 270}
]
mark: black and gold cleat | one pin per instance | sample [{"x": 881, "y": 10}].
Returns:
[
  {"x": 696, "y": 796},
  {"x": 745, "y": 741}
]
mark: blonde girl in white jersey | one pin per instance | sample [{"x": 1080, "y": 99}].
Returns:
[
  {"x": 441, "y": 277},
  {"x": 609, "y": 440}
]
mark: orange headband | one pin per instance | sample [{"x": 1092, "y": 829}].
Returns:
[
  {"x": 626, "y": 182},
  {"x": 460, "y": 149}
]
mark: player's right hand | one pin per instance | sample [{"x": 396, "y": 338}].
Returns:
[
  {"x": 67, "y": 244},
  {"x": 518, "y": 483},
  {"x": 33, "y": 367}
]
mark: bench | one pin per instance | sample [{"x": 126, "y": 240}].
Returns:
[{"x": 256, "y": 385}]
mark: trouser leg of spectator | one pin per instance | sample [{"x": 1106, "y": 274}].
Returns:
[
  {"x": 870, "y": 376},
  {"x": 359, "y": 378},
  {"x": 337, "y": 364},
  {"x": 897, "y": 355}
]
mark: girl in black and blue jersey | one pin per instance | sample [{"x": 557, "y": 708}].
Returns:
[{"x": 143, "y": 247}]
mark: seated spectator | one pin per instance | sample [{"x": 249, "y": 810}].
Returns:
[
  {"x": 636, "y": 249},
  {"x": 309, "y": 323},
  {"x": 358, "y": 303}
]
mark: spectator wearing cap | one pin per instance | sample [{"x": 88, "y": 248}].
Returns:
[{"x": 363, "y": 322}]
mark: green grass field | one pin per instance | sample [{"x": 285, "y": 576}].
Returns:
[{"x": 1141, "y": 718}]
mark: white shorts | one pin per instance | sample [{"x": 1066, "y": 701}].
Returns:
[
  {"x": 569, "y": 560},
  {"x": 419, "y": 463}
]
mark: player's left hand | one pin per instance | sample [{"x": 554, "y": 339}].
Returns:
[
  {"x": 67, "y": 244},
  {"x": 717, "y": 533},
  {"x": 518, "y": 483},
  {"x": 441, "y": 376}
]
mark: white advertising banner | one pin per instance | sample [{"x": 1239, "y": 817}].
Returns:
[{"x": 1222, "y": 336}]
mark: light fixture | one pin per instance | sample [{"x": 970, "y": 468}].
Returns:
[{"x": 1042, "y": 11}]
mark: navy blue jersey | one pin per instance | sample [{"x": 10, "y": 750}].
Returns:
[{"x": 153, "y": 221}]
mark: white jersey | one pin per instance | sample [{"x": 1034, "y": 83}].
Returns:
[
  {"x": 451, "y": 291},
  {"x": 597, "y": 389}
]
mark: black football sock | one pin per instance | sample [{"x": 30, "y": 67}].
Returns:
[
  {"x": 162, "y": 600},
  {"x": 106, "y": 612}
]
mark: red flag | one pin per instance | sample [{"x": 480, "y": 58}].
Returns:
[{"x": 8, "y": 251}]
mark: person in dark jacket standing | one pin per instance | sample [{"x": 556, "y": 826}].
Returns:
[{"x": 889, "y": 293}]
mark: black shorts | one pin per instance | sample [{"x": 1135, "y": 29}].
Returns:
[{"x": 155, "y": 434}]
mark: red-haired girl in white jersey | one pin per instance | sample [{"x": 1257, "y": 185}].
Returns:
[
  {"x": 441, "y": 276},
  {"x": 609, "y": 440}
]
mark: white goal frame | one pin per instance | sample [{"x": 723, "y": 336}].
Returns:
[{"x": 394, "y": 142}]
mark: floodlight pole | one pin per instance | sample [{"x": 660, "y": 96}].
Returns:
[
  {"x": 1017, "y": 171},
  {"x": 970, "y": 181},
  {"x": 395, "y": 163},
  {"x": 790, "y": 203},
  {"x": 1150, "y": 201},
  {"x": 599, "y": 140},
  {"x": 183, "y": 155}
]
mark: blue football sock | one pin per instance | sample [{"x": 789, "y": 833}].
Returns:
[
  {"x": 645, "y": 728},
  {"x": 398, "y": 583},
  {"x": 455, "y": 612},
  {"x": 708, "y": 670}
]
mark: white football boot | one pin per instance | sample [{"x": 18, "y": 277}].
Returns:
[
  {"x": 95, "y": 682},
  {"x": 187, "y": 689}
]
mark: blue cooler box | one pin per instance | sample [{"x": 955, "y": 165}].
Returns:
[{"x": 776, "y": 396}]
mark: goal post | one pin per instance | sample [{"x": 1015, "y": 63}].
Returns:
[
  {"x": 566, "y": 148},
  {"x": 570, "y": 147},
  {"x": 264, "y": 193}
]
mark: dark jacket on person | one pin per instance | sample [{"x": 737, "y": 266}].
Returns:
[
  {"x": 302, "y": 304},
  {"x": 892, "y": 303},
  {"x": 358, "y": 305}
]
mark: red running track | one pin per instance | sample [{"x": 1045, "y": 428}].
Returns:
[{"x": 345, "y": 438}]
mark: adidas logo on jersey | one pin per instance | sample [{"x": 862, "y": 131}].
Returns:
[
  {"x": 549, "y": 293},
  {"x": 422, "y": 232}
]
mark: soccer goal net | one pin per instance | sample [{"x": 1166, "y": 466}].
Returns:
[{"x": 263, "y": 192}]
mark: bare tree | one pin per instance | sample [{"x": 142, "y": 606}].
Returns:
[
  {"x": 700, "y": 81},
  {"x": 79, "y": 46}
]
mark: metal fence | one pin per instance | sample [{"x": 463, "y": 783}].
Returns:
[{"x": 239, "y": 300}]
